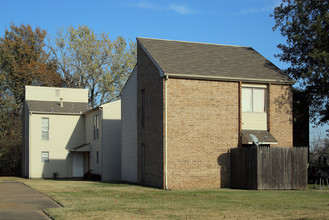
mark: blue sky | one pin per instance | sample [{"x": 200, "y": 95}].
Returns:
[{"x": 234, "y": 22}]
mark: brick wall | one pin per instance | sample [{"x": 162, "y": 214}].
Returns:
[
  {"x": 281, "y": 126},
  {"x": 202, "y": 126},
  {"x": 151, "y": 135}
]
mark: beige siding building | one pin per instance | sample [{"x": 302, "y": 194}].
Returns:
[
  {"x": 65, "y": 138},
  {"x": 129, "y": 129},
  {"x": 103, "y": 134}
]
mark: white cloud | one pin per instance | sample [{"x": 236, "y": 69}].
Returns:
[
  {"x": 145, "y": 5},
  {"x": 180, "y": 9},
  {"x": 267, "y": 8}
]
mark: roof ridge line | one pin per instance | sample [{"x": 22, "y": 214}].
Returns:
[{"x": 193, "y": 42}]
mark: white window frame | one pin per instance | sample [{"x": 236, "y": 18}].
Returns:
[
  {"x": 252, "y": 99},
  {"x": 45, "y": 129},
  {"x": 45, "y": 156}
]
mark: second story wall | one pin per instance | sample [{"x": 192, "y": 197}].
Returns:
[
  {"x": 40, "y": 93},
  {"x": 280, "y": 114}
]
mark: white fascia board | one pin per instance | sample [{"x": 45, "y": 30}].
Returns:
[
  {"x": 53, "y": 113},
  {"x": 225, "y": 78}
]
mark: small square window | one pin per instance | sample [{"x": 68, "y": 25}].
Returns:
[{"x": 45, "y": 156}]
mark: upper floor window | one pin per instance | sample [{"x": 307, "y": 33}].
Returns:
[
  {"x": 96, "y": 126},
  {"x": 253, "y": 99},
  {"x": 45, "y": 129}
]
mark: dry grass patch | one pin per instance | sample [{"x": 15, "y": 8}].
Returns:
[{"x": 96, "y": 200}]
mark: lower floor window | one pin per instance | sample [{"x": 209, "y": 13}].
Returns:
[{"x": 45, "y": 156}]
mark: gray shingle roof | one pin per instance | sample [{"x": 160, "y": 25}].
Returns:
[
  {"x": 188, "y": 59},
  {"x": 54, "y": 107}
]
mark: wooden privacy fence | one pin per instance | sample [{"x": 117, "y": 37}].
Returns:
[{"x": 269, "y": 168}]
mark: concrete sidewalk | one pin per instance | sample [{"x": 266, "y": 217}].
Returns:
[{"x": 18, "y": 201}]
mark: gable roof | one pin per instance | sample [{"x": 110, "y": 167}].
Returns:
[
  {"x": 211, "y": 61},
  {"x": 55, "y": 108}
]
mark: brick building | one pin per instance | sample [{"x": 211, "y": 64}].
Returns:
[{"x": 186, "y": 104}]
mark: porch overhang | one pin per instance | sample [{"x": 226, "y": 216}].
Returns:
[
  {"x": 264, "y": 137},
  {"x": 81, "y": 148}
]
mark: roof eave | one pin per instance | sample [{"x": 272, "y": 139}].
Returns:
[
  {"x": 230, "y": 79},
  {"x": 93, "y": 110},
  {"x": 55, "y": 113}
]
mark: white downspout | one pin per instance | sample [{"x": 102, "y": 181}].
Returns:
[
  {"x": 29, "y": 156},
  {"x": 166, "y": 132}
]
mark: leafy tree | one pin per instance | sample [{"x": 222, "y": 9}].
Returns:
[
  {"x": 319, "y": 147},
  {"x": 23, "y": 61},
  {"x": 88, "y": 60},
  {"x": 10, "y": 137},
  {"x": 305, "y": 24}
]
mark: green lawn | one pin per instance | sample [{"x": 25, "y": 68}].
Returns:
[{"x": 96, "y": 200}]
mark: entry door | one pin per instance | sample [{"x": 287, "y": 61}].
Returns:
[{"x": 77, "y": 164}]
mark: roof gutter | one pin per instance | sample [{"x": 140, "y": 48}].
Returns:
[
  {"x": 92, "y": 110},
  {"x": 230, "y": 79},
  {"x": 54, "y": 113}
]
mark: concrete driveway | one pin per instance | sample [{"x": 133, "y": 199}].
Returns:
[{"x": 18, "y": 201}]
